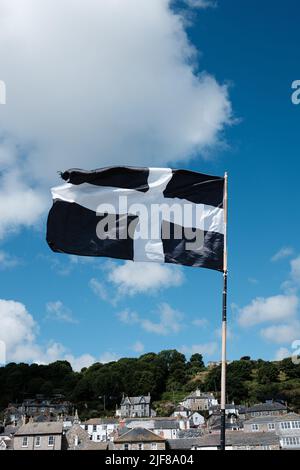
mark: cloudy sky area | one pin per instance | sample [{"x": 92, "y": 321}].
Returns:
[{"x": 193, "y": 84}]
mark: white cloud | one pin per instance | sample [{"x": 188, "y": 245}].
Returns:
[
  {"x": 20, "y": 204},
  {"x": 58, "y": 311},
  {"x": 206, "y": 349},
  {"x": 8, "y": 261},
  {"x": 282, "y": 353},
  {"x": 100, "y": 290},
  {"x": 169, "y": 320},
  {"x": 17, "y": 325},
  {"x": 136, "y": 278},
  {"x": 283, "y": 253},
  {"x": 78, "y": 363},
  {"x": 276, "y": 308},
  {"x": 295, "y": 270},
  {"x": 113, "y": 81},
  {"x": 138, "y": 347},
  {"x": 18, "y": 337},
  {"x": 281, "y": 334},
  {"x": 128, "y": 317},
  {"x": 108, "y": 357},
  {"x": 200, "y": 322}
]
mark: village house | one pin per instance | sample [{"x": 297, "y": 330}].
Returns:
[
  {"x": 39, "y": 436},
  {"x": 235, "y": 440},
  {"x": 36, "y": 407},
  {"x": 139, "y": 439},
  {"x": 6, "y": 437},
  {"x": 198, "y": 401},
  {"x": 269, "y": 408},
  {"x": 168, "y": 428},
  {"x": 286, "y": 427},
  {"x": 100, "y": 429},
  {"x": 76, "y": 438},
  {"x": 135, "y": 407},
  {"x": 194, "y": 418}
]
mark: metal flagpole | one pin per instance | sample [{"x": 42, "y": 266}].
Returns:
[{"x": 224, "y": 322}]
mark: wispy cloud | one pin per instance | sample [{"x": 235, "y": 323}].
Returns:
[
  {"x": 138, "y": 347},
  {"x": 8, "y": 261},
  {"x": 169, "y": 320},
  {"x": 283, "y": 253},
  {"x": 58, "y": 311}
]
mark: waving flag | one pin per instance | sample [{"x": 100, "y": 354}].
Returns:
[{"x": 140, "y": 214}]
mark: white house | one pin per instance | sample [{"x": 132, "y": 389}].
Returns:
[
  {"x": 100, "y": 429},
  {"x": 198, "y": 401}
]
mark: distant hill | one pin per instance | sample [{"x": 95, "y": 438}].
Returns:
[{"x": 167, "y": 375}]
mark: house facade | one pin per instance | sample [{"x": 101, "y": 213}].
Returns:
[
  {"x": 286, "y": 427},
  {"x": 136, "y": 407},
  {"x": 198, "y": 401},
  {"x": 269, "y": 408},
  {"x": 100, "y": 429},
  {"x": 39, "y": 436},
  {"x": 139, "y": 439}
]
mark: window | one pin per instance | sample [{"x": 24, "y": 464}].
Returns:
[
  {"x": 271, "y": 426},
  {"x": 126, "y": 447},
  {"x": 296, "y": 424},
  {"x": 94, "y": 428},
  {"x": 285, "y": 425},
  {"x": 98, "y": 437},
  {"x": 141, "y": 447},
  {"x": 37, "y": 441},
  {"x": 86, "y": 427},
  {"x": 25, "y": 441},
  {"x": 255, "y": 427},
  {"x": 51, "y": 441},
  {"x": 153, "y": 446},
  {"x": 291, "y": 441}
]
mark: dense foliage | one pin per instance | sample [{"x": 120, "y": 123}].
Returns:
[{"x": 168, "y": 376}]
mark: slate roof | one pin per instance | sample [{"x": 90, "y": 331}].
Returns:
[
  {"x": 9, "y": 430},
  {"x": 166, "y": 424},
  {"x": 240, "y": 438},
  {"x": 138, "y": 435},
  {"x": 288, "y": 417},
  {"x": 136, "y": 400},
  {"x": 91, "y": 445},
  {"x": 97, "y": 421},
  {"x": 182, "y": 444},
  {"x": 190, "y": 433},
  {"x": 261, "y": 407},
  {"x": 262, "y": 420},
  {"x": 31, "y": 429}
]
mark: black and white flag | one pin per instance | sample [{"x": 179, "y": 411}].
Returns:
[{"x": 140, "y": 214}]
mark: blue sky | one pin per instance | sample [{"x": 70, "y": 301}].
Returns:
[{"x": 87, "y": 310}]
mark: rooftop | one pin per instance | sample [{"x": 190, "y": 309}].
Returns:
[
  {"x": 31, "y": 429},
  {"x": 139, "y": 435},
  {"x": 268, "y": 406},
  {"x": 136, "y": 400},
  {"x": 239, "y": 438}
]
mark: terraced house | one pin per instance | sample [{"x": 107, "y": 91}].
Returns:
[{"x": 286, "y": 427}]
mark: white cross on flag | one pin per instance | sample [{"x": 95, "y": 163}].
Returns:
[{"x": 140, "y": 214}]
